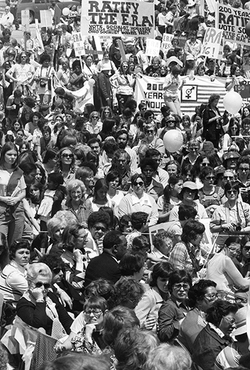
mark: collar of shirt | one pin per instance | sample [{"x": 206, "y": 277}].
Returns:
[
  {"x": 143, "y": 200},
  {"x": 217, "y": 330}
]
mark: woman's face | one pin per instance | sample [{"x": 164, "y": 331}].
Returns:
[
  {"x": 46, "y": 135},
  {"x": 246, "y": 251},
  {"x": 57, "y": 275},
  {"x": 138, "y": 186},
  {"x": 196, "y": 242},
  {"x": 178, "y": 187},
  {"x": 234, "y": 128},
  {"x": 210, "y": 297},
  {"x": 94, "y": 316},
  {"x": 16, "y": 126},
  {"x": 209, "y": 179},
  {"x": 22, "y": 257},
  {"x": 10, "y": 157},
  {"x": 67, "y": 157},
  {"x": 180, "y": 291},
  {"x": 89, "y": 61},
  {"x": 148, "y": 172},
  {"x": 76, "y": 194},
  {"x": 58, "y": 232},
  {"x": 89, "y": 181},
  {"x": 162, "y": 284},
  {"x": 101, "y": 194},
  {"x": 172, "y": 169},
  {"x": 227, "y": 324},
  {"x": 232, "y": 194},
  {"x": 34, "y": 194},
  {"x": 38, "y": 175},
  {"x": 35, "y": 120},
  {"x": 188, "y": 195},
  {"x": 128, "y": 228},
  {"x": 233, "y": 250},
  {"x": 81, "y": 239},
  {"x": 246, "y": 112},
  {"x": 41, "y": 283},
  {"x": 113, "y": 184}
]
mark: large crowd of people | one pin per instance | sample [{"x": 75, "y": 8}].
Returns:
[{"x": 84, "y": 283}]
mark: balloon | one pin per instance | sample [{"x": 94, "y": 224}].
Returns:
[
  {"x": 173, "y": 140},
  {"x": 247, "y": 29},
  {"x": 232, "y": 102},
  {"x": 65, "y": 11}
]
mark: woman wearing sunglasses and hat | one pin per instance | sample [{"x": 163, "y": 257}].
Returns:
[{"x": 189, "y": 196}]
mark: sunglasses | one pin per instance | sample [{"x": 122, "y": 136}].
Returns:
[
  {"x": 39, "y": 284},
  {"x": 205, "y": 164},
  {"x": 100, "y": 228},
  {"x": 181, "y": 286},
  {"x": 150, "y": 131},
  {"x": 67, "y": 155},
  {"x": 141, "y": 183},
  {"x": 232, "y": 192},
  {"x": 209, "y": 177}
]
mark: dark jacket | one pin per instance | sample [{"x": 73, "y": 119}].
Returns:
[
  {"x": 103, "y": 266},
  {"x": 208, "y": 345}
]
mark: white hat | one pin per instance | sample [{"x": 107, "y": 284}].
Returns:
[
  {"x": 240, "y": 321},
  {"x": 174, "y": 59},
  {"x": 191, "y": 3}
]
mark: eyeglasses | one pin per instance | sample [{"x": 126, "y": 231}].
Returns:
[
  {"x": 228, "y": 177},
  {"x": 150, "y": 131},
  {"x": 39, "y": 284},
  {"x": 94, "y": 311},
  {"x": 95, "y": 117},
  {"x": 211, "y": 297},
  {"x": 232, "y": 192},
  {"x": 209, "y": 177},
  {"x": 229, "y": 320},
  {"x": 247, "y": 248},
  {"x": 205, "y": 164},
  {"x": 141, "y": 183},
  {"x": 181, "y": 286},
  {"x": 56, "y": 270},
  {"x": 65, "y": 155},
  {"x": 244, "y": 168}
]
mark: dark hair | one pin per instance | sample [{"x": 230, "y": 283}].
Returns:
[
  {"x": 149, "y": 162},
  {"x": 121, "y": 132},
  {"x": 206, "y": 171},
  {"x": 162, "y": 270},
  {"x": 99, "y": 216},
  {"x": 213, "y": 97},
  {"x": 100, "y": 184},
  {"x": 138, "y": 219},
  {"x": 191, "y": 229},
  {"x": 197, "y": 292},
  {"x": 77, "y": 361},
  {"x": 95, "y": 302},
  {"x": 173, "y": 180},
  {"x": 140, "y": 245},
  {"x": 131, "y": 264},
  {"x": 232, "y": 185},
  {"x": 232, "y": 240},
  {"x": 99, "y": 287},
  {"x": 115, "y": 320},
  {"x": 186, "y": 212},
  {"x": 112, "y": 238},
  {"x": 128, "y": 292},
  {"x": 137, "y": 176},
  {"x": 5, "y": 251},
  {"x": 22, "y": 244},
  {"x": 111, "y": 176},
  {"x": 179, "y": 276},
  {"x": 123, "y": 222},
  {"x": 52, "y": 260},
  {"x": 69, "y": 236},
  {"x": 6, "y": 148},
  {"x": 218, "y": 310},
  {"x": 152, "y": 152}
]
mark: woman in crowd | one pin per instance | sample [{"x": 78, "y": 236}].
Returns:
[
  {"x": 200, "y": 297},
  {"x": 125, "y": 86},
  {"x": 94, "y": 126},
  {"x": 100, "y": 198},
  {"x": 171, "y": 85},
  {"x": 121, "y": 163},
  {"x": 86, "y": 330},
  {"x": 151, "y": 301},
  {"x": 113, "y": 182},
  {"x": 170, "y": 197},
  {"x": 66, "y": 164},
  {"x": 12, "y": 191},
  {"x": 75, "y": 201},
  {"x": 176, "y": 307},
  {"x": 223, "y": 271},
  {"x": 138, "y": 200},
  {"x": 209, "y": 194},
  {"x": 13, "y": 278},
  {"x": 212, "y": 121},
  {"x": 232, "y": 216},
  {"x": 38, "y": 307},
  {"x": 43, "y": 76},
  {"x": 210, "y": 341},
  {"x": 186, "y": 253}
]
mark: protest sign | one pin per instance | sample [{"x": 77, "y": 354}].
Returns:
[
  {"x": 166, "y": 43},
  {"x": 233, "y": 22},
  {"x": 25, "y": 17},
  {"x": 152, "y": 47},
  {"x": 211, "y": 42},
  {"x": 46, "y": 18},
  {"x": 115, "y": 18},
  {"x": 243, "y": 87},
  {"x": 78, "y": 44}
]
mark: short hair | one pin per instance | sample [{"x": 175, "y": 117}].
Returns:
[
  {"x": 100, "y": 287},
  {"x": 137, "y": 176},
  {"x": 72, "y": 185},
  {"x": 95, "y": 302},
  {"x": 22, "y": 244},
  {"x": 206, "y": 171},
  {"x": 140, "y": 245},
  {"x": 232, "y": 240},
  {"x": 232, "y": 185},
  {"x": 83, "y": 172},
  {"x": 70, "y": 234},
  {"x": 159, "y": 240},
  {"x": 152, "y": 153},
  {"x": 128, "y": 292},
  {"x": 115, "y": 320},
  {"x": 53, "y": 224},
  {"x": 117, "y": 154},
  {"x": 149, "y": 162},
  {"x": 123, "y": 222},
  {"x": 213, "y": 97},
  {"x": 76, "y": 361},
  {"x": 111, "y": 176},
  {"x": 131, "y": 264},
  {"x": 197, "y": 292},
  {"x": 138, "y": 219},
  {"x": 191, "y": 229},
  {"x": 112, "y": 238},
  {"x": 99, "y": 216},
  {"x": 179, "y": 276},
  {"x": 132, "y": 348},
  {"x": 121, "y": 132},
  {"x": 186, "y": 212},
  {"x": 162, "y": 270},
  {"x": 170, "y": 357},
  {"x": 52, "y": 260},
  {"x": 218, "y": 310},
  {"x": 38, "y": 269}
]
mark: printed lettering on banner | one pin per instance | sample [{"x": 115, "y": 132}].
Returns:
[
  {"x": 232, "y": 21},
  {"x": 166, "y": 43},
  {"x": 211, "y": 42},
  {"x": 152, "y": 47},
  {"x": 78, "y": 44},
  {"x": 25, "y": 17},
  {"x": 150, "y": 89},
  {"x": 115, "y": 18}
]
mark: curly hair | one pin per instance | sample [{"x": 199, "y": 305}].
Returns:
[
  {"x": 128, "y": 292},
  {"x": 73, "y": 185}
]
